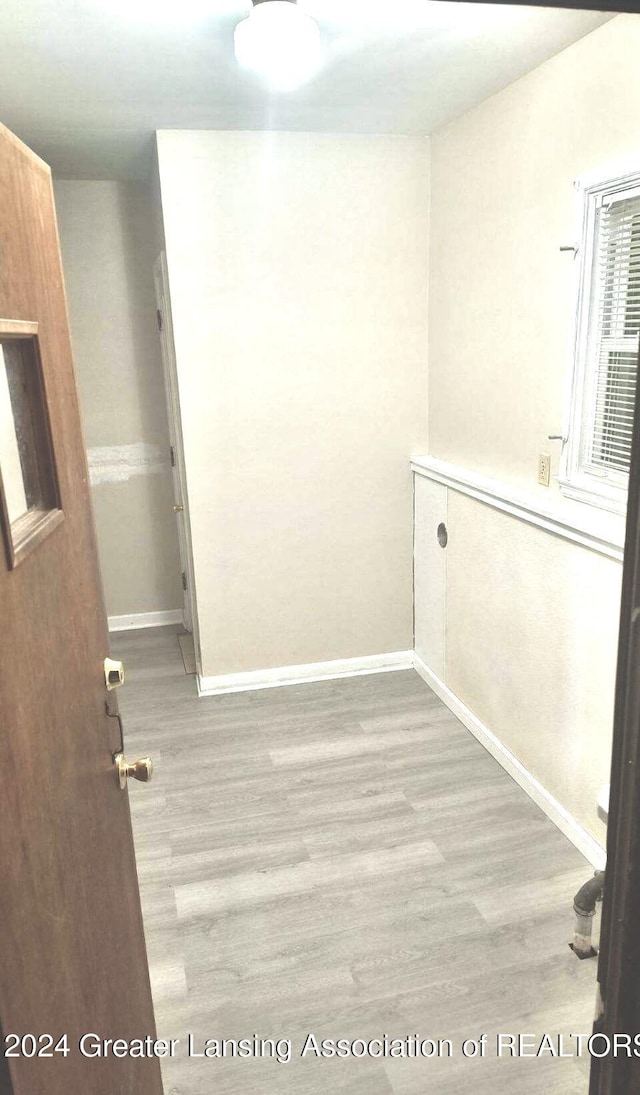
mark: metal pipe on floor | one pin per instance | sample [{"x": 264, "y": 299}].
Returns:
[{"x": 584, "y": 906}]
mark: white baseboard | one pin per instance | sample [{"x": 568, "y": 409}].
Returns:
[
  {"x": 583, "y": 841},
  {"x": 304, "y": 674},
  {"x": 145, "y": 619}
]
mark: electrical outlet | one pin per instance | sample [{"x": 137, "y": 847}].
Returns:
[{"x": 544, "y": 469}]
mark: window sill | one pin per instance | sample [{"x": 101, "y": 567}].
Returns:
[{"x": 608, "y": 498}]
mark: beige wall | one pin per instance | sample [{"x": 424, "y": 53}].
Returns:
[
  {"x": 108, "y": 252},
  {"x": 531, "y": 622},
  {"x": 297, "y": 270},
  {"x": 502, "y": 294}
]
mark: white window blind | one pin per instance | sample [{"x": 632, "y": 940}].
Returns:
[
  {"x": 596, "y": 459},
  {"x": 612, "y": 342}
]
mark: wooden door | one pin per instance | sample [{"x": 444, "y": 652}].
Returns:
[{"x": 72, "y": 951}]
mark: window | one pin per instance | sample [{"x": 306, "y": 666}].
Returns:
[
  {"x": 29, "y": 494},
  {"x": 599, "y": 448}
]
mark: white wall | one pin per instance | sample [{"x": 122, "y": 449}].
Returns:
[
  {"x": 298, "y": 278},
  {"x": 531, "y": 621},
  {"x": 106, "y": 237}
]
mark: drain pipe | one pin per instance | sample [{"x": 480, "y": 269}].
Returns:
[{"x": 584, "y": 906}]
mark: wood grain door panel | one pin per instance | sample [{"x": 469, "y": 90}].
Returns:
[{"x": 73, "y": 958}]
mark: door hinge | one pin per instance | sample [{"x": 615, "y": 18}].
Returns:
[
  {"x": 184, "y": 580},
  {"x": 159, "y": 319},
  {"x": 172, "y": 456}
]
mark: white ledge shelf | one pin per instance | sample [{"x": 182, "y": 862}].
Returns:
[{"x": 593, "y": 529}]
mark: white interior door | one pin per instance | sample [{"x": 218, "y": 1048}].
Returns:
[{"x": 180, "y": 496}]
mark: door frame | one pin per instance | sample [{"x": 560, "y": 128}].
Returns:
[
  {"x": 618, "y": 1006},
  {"x": 176, "y": 441}
]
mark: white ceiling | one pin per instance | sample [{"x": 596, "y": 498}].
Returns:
[{"x": 86, "y": 82}]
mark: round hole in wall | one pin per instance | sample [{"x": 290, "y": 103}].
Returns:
[{"x": 442, "y": 534}]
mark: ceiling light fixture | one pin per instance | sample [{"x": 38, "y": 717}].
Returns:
[{"x": 280, "y": 42}]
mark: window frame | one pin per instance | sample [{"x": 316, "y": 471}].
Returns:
[
  {"x": 604, "y": 488},
  {"x": 25, "y": 533}
]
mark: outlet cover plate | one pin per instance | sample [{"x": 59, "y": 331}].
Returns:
[{"x": 544, "y": 469}]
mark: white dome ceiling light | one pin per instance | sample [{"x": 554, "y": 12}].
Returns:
[{"x": 280, "y": 42}]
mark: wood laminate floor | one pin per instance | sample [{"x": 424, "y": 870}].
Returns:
[{"x": 343, "y": 859}]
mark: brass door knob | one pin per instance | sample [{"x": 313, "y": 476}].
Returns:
[
  {"x": 141, "y": 769},
  {"x": 113, "y": 674},
  {"x": 178, "y": 508}
]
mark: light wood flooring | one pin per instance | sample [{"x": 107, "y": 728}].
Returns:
[{"x": 344, "y": 859}]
